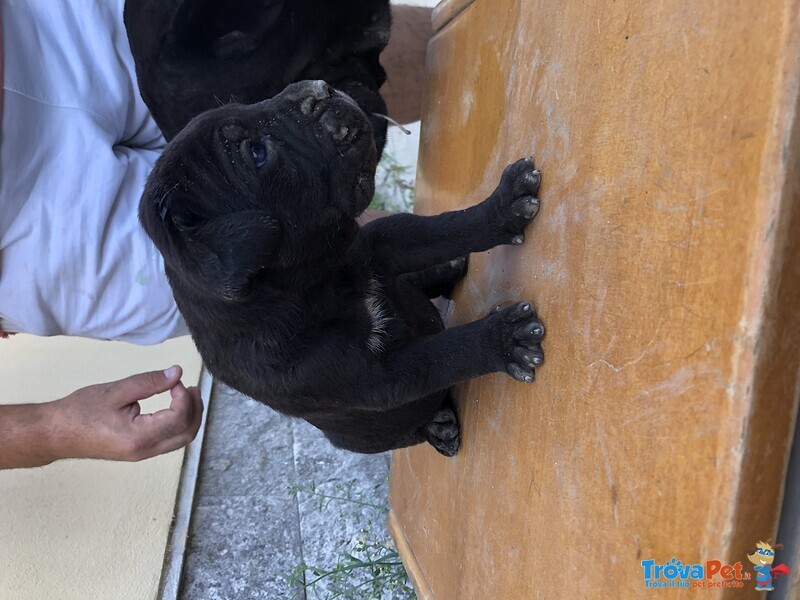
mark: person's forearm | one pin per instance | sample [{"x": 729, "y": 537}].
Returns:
[
  {"x": 404, "y": 61},
  {"x": 26, "y": 435},
  {"x": 102, "y": 421}
]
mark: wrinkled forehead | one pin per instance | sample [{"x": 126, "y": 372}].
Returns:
[
  {"x": 202, "y": 135},
  {"x": 195, "y": 158},
  {"x": 256, "y": 115},
  {"x": 212, "y": 122}
]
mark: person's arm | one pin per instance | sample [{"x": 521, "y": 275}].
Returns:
[
  {"x": 101, "y": 421},
  {"x": 404, "y": 62}
]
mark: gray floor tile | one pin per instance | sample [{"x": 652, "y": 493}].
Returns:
[
  {"x": 242, "y": 547},
  {"x": 344, "y": 512},
  {"x": 330, "y": 528},
  {"x": 248, "y": 450},
  {"x": 318, "y": 460}
]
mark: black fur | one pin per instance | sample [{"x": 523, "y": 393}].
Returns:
[
  {"x": 287, "y": 299},
  {"x": 274, "y": 276},
  {"x": 194, "y": 55}
]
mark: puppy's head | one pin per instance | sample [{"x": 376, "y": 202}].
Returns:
[{"x": 248, "y": 189}]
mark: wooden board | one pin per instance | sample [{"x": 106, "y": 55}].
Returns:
[{"x": 663, "y": 264}]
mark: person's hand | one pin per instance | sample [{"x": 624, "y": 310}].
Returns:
[{"x": 105, "y": 420}]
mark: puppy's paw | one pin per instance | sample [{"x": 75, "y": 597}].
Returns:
[
  {"x": 519, "y": 340},
  {"x": 514, "y": 202},
  {"x": 443, "y": 432},
  {"x": 452, "y": 271},
  {"x": 440, "y": 280},
  {"x": 457, "y": 267}
]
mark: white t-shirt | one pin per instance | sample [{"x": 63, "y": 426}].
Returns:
[{"x": 77, "y": 145}]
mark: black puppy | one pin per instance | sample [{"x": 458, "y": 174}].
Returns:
[{"x": 254, "y": 207}]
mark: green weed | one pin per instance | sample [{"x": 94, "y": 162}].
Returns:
[{"x": 369, "y": 567}]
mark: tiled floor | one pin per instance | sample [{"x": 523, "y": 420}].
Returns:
[{"x": 250, "y": 531}]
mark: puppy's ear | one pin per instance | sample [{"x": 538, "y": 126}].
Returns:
[{"x": 231, "y": 249}]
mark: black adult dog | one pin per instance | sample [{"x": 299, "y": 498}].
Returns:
[{"x": 254, "y": 207}]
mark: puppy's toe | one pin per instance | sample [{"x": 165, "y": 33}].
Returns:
[
  {"x": 529, "y": 181},
  {"x": 443, "y": 431},
  {"x": 518, "y": 312},
  {"x": 530, "y": 332},
  {"x": 522, "y": 178},
  {"x": 446, "y": 448},
  {"x": 529, "y": 358},
  {"x": 526, "y": 207},
  {"x": 454, "y": 269},
  {"x": 459, "y": 264},
  {"x": 520, "y": 373}
]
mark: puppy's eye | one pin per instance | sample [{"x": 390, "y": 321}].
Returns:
[
  {"x": 259, "y": 152},
  {"x": 185, "y": 221}
]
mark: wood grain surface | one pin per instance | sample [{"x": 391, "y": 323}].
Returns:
[{"x": 665, "y": 263}]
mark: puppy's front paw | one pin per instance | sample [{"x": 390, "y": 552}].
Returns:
[
  {"x": 520, "y": 336},
  {"x": 514, "y": 203}
]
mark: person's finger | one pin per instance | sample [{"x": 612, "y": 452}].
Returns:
[
  {"x": 143, "y": 385},
  {"x": 188, "y": 400},
  {"x": 197, "y": 411},
  {"x": 180, "y": 420},
  {"x": 169, "y": 445},
  {"x": 184, "y": 438}
]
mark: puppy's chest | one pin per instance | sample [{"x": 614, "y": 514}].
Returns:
[{"x": 380, "y": 315}]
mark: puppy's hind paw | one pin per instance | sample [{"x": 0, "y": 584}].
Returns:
[
  {"x": 440, "y": 279},
  {"x": 443, "y": 432}
]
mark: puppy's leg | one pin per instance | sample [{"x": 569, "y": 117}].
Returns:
[
  {"x": 439, "y": 280},
  {"x": 405, "y": 243},
  {"x": 506, "y": 340}
]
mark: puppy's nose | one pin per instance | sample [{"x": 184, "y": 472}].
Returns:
[
  {"x": 319, "y": 89},
  {"x": 313, "y": 92}
]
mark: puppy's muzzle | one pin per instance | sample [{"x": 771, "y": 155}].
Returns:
[{"x": 338, "y": 114}]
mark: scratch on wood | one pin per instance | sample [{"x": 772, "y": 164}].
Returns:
[
  {"x": 603, "y": 361},
  {"x": 609, "y": 473}
]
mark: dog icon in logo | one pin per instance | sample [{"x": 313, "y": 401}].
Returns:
[{"x": 762, "y": 560}]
